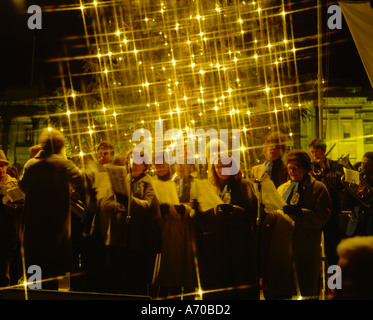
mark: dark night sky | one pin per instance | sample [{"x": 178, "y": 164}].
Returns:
[
  {"x": 17, "y": 44},
  {"x": 344, "y": 66}
]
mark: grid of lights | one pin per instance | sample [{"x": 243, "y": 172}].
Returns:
[{"x": 192, "y": 64}]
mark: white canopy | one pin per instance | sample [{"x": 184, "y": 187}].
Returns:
[{"x": 359, "y": 17}]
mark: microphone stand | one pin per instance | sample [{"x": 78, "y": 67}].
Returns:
[
  {"x": 259, "y": 221},
  {"x": 259, "y": 216},
  {"x": 128, "y": 218}
]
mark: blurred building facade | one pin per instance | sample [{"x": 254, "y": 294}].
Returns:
[
  {"x": 22, "y": 115},
  {"x": 347, "y": 123}
]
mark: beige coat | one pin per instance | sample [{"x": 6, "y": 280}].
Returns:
[{"x": 282, "y": 173}]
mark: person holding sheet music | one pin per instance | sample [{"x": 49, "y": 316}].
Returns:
[
  {"x": 133, "y": 235},
  {"x": 273, "y": 168},
  {"x": 274, "y": 150},
  {"x": 309, "y": 206},
  {"x": 362, "y": 214},
  {"x": 225, "y": 237},
  {"x": 177, "y": 274},
  {"x": 184, "y": 177},
  {"x": 93, "y": 255},
  {"x": 8, "y": 223}
]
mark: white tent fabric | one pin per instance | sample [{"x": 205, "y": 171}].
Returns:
[{"x": 359, "y": 17}]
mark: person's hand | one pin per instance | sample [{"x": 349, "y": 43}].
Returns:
[
  {"x": 225, "y": 208},
  {"x": 292, "y": 210},
  {"x": 5, "y": 200},
  {"x": 119, "y": 210},
  {"x": 122, "y": 199},
  {"x": 164, "y": 207},
  {"x": 14, "y": 205},
  {"x": 180, "y": 209},
  {"x": 238, "y": 209}
]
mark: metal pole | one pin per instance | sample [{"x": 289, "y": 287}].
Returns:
[
  {"x": 320, "y": 71},
  {"x": 321, "y": 123}
]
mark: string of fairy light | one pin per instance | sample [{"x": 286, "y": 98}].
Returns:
[{"x": 207, "y": 64}]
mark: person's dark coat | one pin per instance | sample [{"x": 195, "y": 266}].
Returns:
[
  {"x": 316, "y": 210},
  {"x": 46, "y": 182},
  {"x": 226, "y": 244}
]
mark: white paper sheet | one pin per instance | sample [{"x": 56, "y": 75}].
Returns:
[
  {"x": 165, "y": 191},
  {"x": 15, "y": 194},
  {"x": 271, "y": 199},
  {"x": 3, "y": 189},
  {"x": 351, "y": 176},
  {"x": 206, "y": 195},
  {"x": 118, "y": 178}
]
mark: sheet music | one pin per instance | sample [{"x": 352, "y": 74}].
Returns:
[
  {"x": 206, "y": 195},
  {"x": 102, "y": 185},
  {"x": 15, "y": 194},
  {"x": 351, "y": 176},
  {"x": 271, "y": 199},
  {"x": 165, "y": 191},
  {"x": 3, "y": 189},
  {"x": 118, "y": 178}
]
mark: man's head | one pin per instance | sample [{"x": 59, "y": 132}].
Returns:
[
  {"x": 162, "y": 169},
  {"x": 275, "y": 146},
  {"x": 367, "y": 164},
  {"x": 52, "y": 141},
  {"x": 105, "y": 152},
  {"x": 317, "y": 148},
  {"x": 356, "y": 263},
  {"x": 137, "y": 167}
]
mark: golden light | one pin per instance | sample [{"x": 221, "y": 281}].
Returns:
[{"x": 148, "y": 59}]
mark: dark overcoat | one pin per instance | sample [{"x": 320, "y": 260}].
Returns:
[
  {"x": 46, "y": 182},
  {"x": 316, "y": 210}
]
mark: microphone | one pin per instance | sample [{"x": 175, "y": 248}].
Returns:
[
  {"x": 259, "y": 182},
  {"x": 259, "y": 218},
  {"x": 130, "y": 163},
  {"x": 128, "y": 218}
]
